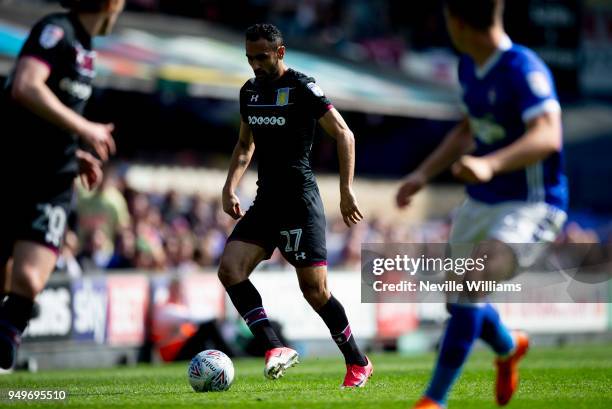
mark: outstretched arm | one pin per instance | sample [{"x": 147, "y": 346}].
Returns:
[
  {"x": 457, "y": 143},
  {"x": 333, "y": 123},
  {"x": 241, "y": 157}
]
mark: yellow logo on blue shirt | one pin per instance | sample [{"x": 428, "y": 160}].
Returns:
[
  {"x": 282, "y": 97},
  {"x": 487, "y": 130}
]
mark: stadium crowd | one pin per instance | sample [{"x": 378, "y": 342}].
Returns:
[
  {"x": 118, "y": 227},
  {"x": 319, "y": 21},
  {"x": 377, "y": 31}
]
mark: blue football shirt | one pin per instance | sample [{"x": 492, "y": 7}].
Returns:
[{"x": 513, "y": 87}]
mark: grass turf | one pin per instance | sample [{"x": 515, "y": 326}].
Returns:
[{"x": 570, "y": 377}]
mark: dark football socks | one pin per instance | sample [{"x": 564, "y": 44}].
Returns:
[
  {"x": 16, "y": 310},
  {"x": 335, "y": 318},
  {"x": 247, "y": 301}
]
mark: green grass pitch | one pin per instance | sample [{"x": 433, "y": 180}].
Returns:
[{"x": 570, "y": 377}]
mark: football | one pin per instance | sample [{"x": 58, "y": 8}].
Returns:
[{"x": 210, "y": 370}]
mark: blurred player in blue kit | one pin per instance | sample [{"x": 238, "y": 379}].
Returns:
[{"x": 508, "y": 150}]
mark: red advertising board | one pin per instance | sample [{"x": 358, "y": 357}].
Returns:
[
  {"x": 128, "y": 300},
  {"x": 395, "y": 319},
  {"x": 205, "y": 296}
]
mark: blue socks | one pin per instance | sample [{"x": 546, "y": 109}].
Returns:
[
  {"x": 466, "y": 324},
  {"x": 462, "y": 330},
  {"x": 494, "y": 333}
]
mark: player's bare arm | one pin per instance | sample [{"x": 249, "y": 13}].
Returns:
[
  {"x": 30, "y": 90},
  {"x": 543, "y": 137},
  {"x": 458, "y": 141},
  {"x": 241, "y": 157},
  {"x": 333, "y": 123}
]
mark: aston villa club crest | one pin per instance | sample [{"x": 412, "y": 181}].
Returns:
[{"x": 282, "y": 97}]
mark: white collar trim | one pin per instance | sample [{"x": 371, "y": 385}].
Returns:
[{"x": 503, "y": 46}]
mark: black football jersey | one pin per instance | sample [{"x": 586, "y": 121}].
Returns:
[
  {"x": 282, "y": 115},
  {"x": 62, "y": 43}
]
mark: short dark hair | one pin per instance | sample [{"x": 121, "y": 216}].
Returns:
[
  {"x": 269, "y": 32},
  {"x": 92, "y": 6},
  {"x": 478, "y": 14}
]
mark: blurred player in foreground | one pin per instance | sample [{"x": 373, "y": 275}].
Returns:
[
  {"x": 508, "y": 150},
  {"x": 43, "y": 101},
  {"x": 280, "y": 108}
]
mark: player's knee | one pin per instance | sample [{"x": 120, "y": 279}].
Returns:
[
  {"x": 224, "y": 274},
  {"x": 315, "y": 293},
  {"x": 500, "y": 259},
  {"x": 28, "y": 280},
  {"x": 229, "y": 274}
]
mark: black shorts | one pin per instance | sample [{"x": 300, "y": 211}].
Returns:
[
  {"x": 295, "y": 224},
  {"x": 38, "y": 214}
]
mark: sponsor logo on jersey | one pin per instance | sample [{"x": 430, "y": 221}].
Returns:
[
  {"x": 267, "y": 120},
  {"x": 282, "y": 96},
  {"x": 315, "y": 89},
  {"x": 50, "y": 36},
  {"x": 539, "y": 84},
  {"x": 487, "y": 130},
  {"x": 75, "y": 88},
  {"x": 254, "y": 97}
]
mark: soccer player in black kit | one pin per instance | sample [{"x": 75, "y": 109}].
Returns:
[
  {"x": 42, "y": 104},
  {"x": 280, "y": 109}
]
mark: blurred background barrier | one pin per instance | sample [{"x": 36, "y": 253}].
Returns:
[{"x": 105, "y": 320}]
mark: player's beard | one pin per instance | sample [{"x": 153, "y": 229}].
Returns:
[{"x": 268, "y": 76}]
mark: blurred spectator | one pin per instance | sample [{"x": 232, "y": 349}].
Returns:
[
  {"x": 172, "y": 207},
  {"x": 150, "y": 253},
  {"x": 97, "y": 250},
  {"x": 125, "y": 251},
  {"x": 139, "y": 206},
  {"x": 186, "y": 261},
  {"x": 200, "y": 214},
  {"x": 105, "y": 210}
]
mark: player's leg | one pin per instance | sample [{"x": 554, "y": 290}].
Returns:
[
  {"x": 6, "y": 264},
  {"x": 470, "y": 319},
  {"x": 533, "y": 225},
  {"x": 252, "y": 241},
  {"x": 313, "y": 283},
  {"x": 302, "y": 243},
  {"x": 465, "y": 322},
  {"x": 510, "y": 347},
  {"x": 501, "y": 265},
  {"x": 33, "y": 263},
  {"x": 463, "y": 328},
  {"x": 239, "y": 259},
  {"x": 7, "y": 241},
  {"x": 37, "y": 233}
]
